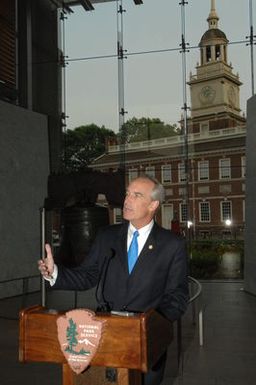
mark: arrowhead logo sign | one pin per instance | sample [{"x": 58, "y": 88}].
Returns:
[{"x": 79, "y": 335}]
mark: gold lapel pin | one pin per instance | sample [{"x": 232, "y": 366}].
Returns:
[{"x": 150, "y": 247}]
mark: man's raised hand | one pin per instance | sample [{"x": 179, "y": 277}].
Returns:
[{"x": 46, "y": 264}]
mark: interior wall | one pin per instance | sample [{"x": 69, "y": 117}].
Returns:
[
  {"x": 250, "y": 203},
  {"x": 24, "y": 169}
]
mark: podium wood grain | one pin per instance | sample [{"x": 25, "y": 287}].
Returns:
[{"x": 127, "y": 343}]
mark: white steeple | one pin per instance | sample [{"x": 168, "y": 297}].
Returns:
[{"x": 213, "y": 18}]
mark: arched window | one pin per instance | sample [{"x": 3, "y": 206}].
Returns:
[
  {"x": 208, "y": 53},
  {"x": 217, "y": 52}
]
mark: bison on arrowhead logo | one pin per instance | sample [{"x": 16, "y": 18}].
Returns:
[{"x": 79, "y": 335}]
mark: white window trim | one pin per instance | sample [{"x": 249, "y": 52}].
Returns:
[
  {"x": 220, "y": 169},
  {"x": 163, "y": 168},
  {"x": 200, "y": 212},
  {"x": 149, "y": 169},
  {"x": 117, "y": 214},
  {"x": 204, "y": 127},
  {"x": 243, "y": 166},
  {"x": 221, "y": 211},
  {"x": 180, "y": 214},
  {"x": 200, "y": 162},
  {"x": 181, "y": 170},
  {"x": 130, "y": 173}
]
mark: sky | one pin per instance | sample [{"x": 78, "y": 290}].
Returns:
[{"x": 153, "y": 73}]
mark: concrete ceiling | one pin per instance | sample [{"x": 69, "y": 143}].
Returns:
[
  {"x": 88, "y": 3},
  {"x": 78, "y": 2}
]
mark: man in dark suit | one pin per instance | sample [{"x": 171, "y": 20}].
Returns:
[{"x": 158, "y": 278}]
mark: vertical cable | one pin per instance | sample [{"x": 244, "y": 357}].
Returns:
[
  {"x": 120, "y": 56},
  {"x": 183, "y": 52},
  {"x": 63, "y": 49},
  {"x": 63, "y": 64}
]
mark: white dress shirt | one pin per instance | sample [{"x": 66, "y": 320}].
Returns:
[{"x": 143, "y": 235}]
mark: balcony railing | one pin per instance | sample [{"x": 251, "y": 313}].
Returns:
[{"x": 176, "y": 140}]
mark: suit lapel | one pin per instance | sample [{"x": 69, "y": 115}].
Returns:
[
  {"x": 148, "y": 248},
  {"x": 147, "y": 253},
  {"x": 121, "y": 246}
]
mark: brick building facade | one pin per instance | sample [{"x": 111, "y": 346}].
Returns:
[{"x": 205, "y": 185}]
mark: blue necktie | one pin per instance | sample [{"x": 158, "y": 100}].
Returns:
[{"x": 133, "y": 251}]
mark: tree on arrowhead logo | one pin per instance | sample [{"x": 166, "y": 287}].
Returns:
[{"x": 79, "y": 335}]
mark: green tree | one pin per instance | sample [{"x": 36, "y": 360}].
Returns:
[
  {"x": 136, "y": 130},
  {"x": 83, "y": 144},
  {"x": 71, "y": 334}
]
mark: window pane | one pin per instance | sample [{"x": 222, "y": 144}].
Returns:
[
  {"x": 182, "y": 174},
  {"x": 117, "y": 215},
  {"x": 204, "y": 209},
  {"x": 225, "y": 210},
  {"x": 183, "y": 212},
  {"x": 243, "y": 164},
  {"x": 203, "y": 170},
  {"x": 133, "y": 173},
  {"x": 166, "y": 173},
  {"x": 150, "y": 171},
  {"x": 225, "y": 168}
]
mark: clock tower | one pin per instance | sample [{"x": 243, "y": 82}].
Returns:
[{"x": 214, "y": 89}]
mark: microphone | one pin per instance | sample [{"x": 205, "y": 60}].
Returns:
[{"x": 104, "y": 306}]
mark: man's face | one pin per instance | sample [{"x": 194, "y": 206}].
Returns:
[{"x": 138, "y": 206}]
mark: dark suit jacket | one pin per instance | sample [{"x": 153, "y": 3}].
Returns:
[{"x": 158, "y": 280}]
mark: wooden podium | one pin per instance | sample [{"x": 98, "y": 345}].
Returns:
[{"x": 130, "y": 344}]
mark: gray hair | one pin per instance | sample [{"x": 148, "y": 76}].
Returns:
[{"x": 158, "y": 192}]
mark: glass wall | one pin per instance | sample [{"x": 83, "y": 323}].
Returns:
[
  {"x": 171, "y": 80},
  {"x": 153, "y": 73}
]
